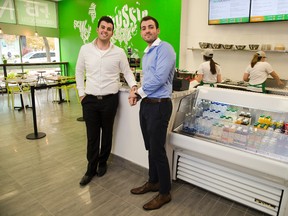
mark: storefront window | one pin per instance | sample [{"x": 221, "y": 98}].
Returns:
[
  {"x": 39, "y": 49},
  {"x": 27, "y": 49},
  {"x": 15, "y": 49},
  {"x": 10, "y": 49}
]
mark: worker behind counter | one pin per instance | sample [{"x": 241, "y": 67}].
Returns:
[
  {"x": 258, "y": 71},
  {"x": 209, "y": 72}
]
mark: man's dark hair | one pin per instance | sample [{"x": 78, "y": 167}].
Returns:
[
  {"x": 106, "y": 19},
  {"x": 146, "y": 18}
]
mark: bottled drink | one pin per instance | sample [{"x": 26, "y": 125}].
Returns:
[
  {"x": 192, "y": 127},
  {"x": 201, "y": 125},
  {"x": 237, "y": 136},
  {"x": 251, "y": 138},
  {"x": 186, "y": 122},
  {"x": 219, "y": 132},
  {"x": 261, "y": 119},
  {"x": 214, "y": 131},
  {"x": 197, "y": 119},
  {"x": 225, "y": 134},
  {"x": 233, "y": 115},
  {"x": 232, "y": 130},
  {"x": 244, "y": 137},
  {"x": 208, "y": 126}
]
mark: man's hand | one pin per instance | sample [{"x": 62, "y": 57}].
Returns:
[
  {"x": 132, "y": 96},
  {"x": 81, "y": 98}
]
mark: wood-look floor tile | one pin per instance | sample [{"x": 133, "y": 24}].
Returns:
[
  {"x": 235, "y": 212},
  {"x": 19, "y": 202},
  {"x": 186, "y": 202},
  {"x": 41, "y": 177}
]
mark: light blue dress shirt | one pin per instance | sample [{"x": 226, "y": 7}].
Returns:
[{"x": 158, "y": 67}]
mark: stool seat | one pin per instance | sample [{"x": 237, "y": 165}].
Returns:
[{"x": 58, "y": 72}]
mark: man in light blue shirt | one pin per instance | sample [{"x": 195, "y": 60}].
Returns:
[{"x": 158, "y": 66}]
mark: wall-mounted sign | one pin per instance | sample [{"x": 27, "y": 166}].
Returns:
[
  {"x": 228, "y": 11},
  {"x": 29, "y": 12},
  {"x": 7, "y": 11},
  {"x": 266, "y": 11}
]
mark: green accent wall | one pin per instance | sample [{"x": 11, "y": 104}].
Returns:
[{"x": 78, "y": 21}]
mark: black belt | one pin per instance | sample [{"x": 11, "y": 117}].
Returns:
[
  {"x": 101, "y": 97},
  {"x": 155, "y": 100}
]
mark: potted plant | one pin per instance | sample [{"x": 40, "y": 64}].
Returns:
[{"x": 4, "y": 60}]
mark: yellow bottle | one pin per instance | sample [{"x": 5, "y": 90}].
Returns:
[{"x": 261, "y": 119}]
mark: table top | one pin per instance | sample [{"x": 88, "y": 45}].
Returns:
[
  {"x": 19, "y": 80},
  {"x": 28, "y": 64},
  {"x": 59, "y": 78}
]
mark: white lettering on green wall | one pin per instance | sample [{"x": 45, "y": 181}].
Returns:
[
  {"x": 126, "y": 23},
  {"x": 84, "y": 32},
  {"x": 126, "y": 27},
  {"x": 81, "y": 24},
  {"x": 92, "y": 11},
  {"x": 127, "y": 17}
]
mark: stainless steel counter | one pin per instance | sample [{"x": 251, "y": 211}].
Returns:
[{"x": 271, "y": 86}]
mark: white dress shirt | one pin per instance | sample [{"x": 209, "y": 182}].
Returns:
[{"x": 101, "y": 69}]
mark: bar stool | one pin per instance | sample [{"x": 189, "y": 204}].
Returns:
[
  {"x": 41, "y": 79},
  {"x": 2, "y": 87},
  {"x": 49, "y": 81}
]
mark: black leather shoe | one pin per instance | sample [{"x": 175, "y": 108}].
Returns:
[
  {"x": 85, "y": 180},
  {"x": 102, "y": 170}
]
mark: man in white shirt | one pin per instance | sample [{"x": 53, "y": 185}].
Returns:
[{"x": 100, "y": 63}]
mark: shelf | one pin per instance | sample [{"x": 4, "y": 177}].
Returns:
[{"x": 245, "y": 50}]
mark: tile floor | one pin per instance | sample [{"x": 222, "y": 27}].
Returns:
[{"x": 41, "y": 177}]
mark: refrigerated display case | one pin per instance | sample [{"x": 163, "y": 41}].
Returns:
[{"x": 235, "y": 144}]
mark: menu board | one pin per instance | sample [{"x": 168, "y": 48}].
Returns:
[
  {"x": 268, "y": 10},
  {"x": 228, "y": 11}
]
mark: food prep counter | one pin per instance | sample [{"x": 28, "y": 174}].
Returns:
[{"x": 271, "y": 86}]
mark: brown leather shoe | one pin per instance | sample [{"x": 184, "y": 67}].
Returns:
[
  {"x": 158, "y": 201},
  {"x": 147, "y": 187}
]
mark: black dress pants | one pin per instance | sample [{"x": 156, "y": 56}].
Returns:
[
  {"x": 154, "y": 120},
  {"x": 99, "y": 114}
]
